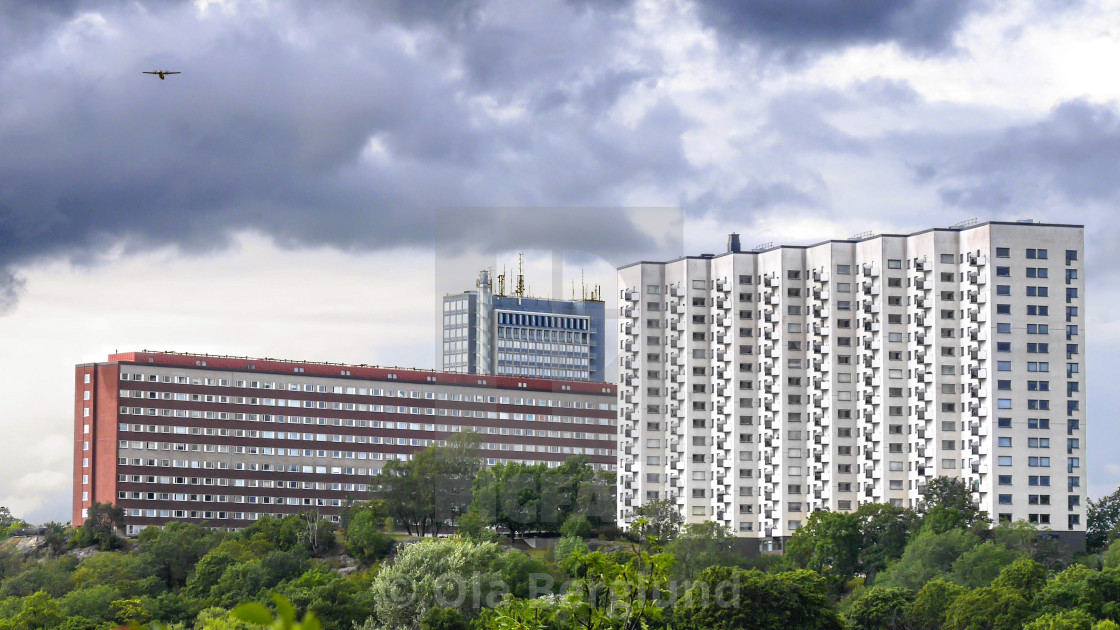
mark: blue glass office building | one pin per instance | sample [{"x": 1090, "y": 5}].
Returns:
[{"x": 485, "y": 333}]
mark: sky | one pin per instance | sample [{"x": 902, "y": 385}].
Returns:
[{"x": 320, "y": 173}]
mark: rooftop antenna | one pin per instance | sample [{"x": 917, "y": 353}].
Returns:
[
  {"x": 520, "y": 290},
  {"x": 502, "y": 282}
]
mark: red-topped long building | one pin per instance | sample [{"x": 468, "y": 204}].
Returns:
[{"x": 227, "y": 440}]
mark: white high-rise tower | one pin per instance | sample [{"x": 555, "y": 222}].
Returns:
[{"x": 758, "y": 386}]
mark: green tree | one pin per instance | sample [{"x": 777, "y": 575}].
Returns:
[
  {"x": 37, "y": 611},
  {"x": 277, "y": 533},
  {"x": 337, "y": 601},
  {"x": 257, "y": 615},
  {"x": 726, "y": 598},
  {"x": 515, "y": 614},
  {"x": 6, "y": 518},
  {"x": 103, "y": 521},
  {"x": 207, "y": 571},
  {"x": 576, "y": 525},
  {"x": 91, "y": 603},
  {"x": 1111, "y": 556},
  {"x": 702, "y": 545},
  {"x": 434, "y": 487},
  {"x": 947, "y": 503},
  {"x": 658, "y": 521},
  {"x": 927, "y": 556},
  {"x": 931, "y": 604},
  {"x": 567, "y": 548},
  {"x": 1101, "y": 521},
  {"x": 988, "y": 608},
  {"x": 363, "y": 537},
  {"x": 885, "y": 529},
  {"x": 437, "y": 573},
  {"x": 828, "y": 543},
  {"x": 56, "y": 537},
  {"x": 1067, "y": 620},
  {"x": 1066, "y": 590},
  {"x": 510, "y": 495},
  {"x": 128, "y": 612},
  {"x": 172, "y": 551},
  {"x": 451, "y": 619},
  {"x": 881, "y": 608},
  {"x": 1025, "y": 576},
  {"x": 53, "y": 576},
  {"x": 619, "y": 590},
  {"x": 1038, "y": 545},
  {"x": 981, "y": 564},
  {"x": 315, "y": 533},
  {"x": 1095, "y": 592},
  {"x": 110, "y": 568}
]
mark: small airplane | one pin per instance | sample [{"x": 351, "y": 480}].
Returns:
[{"x": 161, "y": 73}]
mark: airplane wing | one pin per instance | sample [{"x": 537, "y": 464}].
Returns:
[
  {"x": 146, "y": 72},
  {"x": 173, "y": 73}
]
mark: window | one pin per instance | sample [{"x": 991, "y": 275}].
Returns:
[
  {"x": 1003, "y": 272},
  {"x": 1003, "y": 289},
  {"x": 1004, "y": 423},
  {"x": 1003, "y": 366},
  {"x": 1005, "y": 442},
  {"x": 1040, "y": 254},
  {"x": 1005, "y": 499},
  {"x": 1071, "y": 255},
  {"x": 653, "y": 289},
  {"x": 1005, "y": 480},
  {"x": 894, "y": 264},
  {"x": 1003, "y": 252},
  {"x": 947, "y": 258},
  {"x": 1003, "y": 309},
  {"x": 1004, "y": 460},
  {"x": 844, "y": 270}
]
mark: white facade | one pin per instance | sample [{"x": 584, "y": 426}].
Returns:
[{"x": 756, "y": 387}]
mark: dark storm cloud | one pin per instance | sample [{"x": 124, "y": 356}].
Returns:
[
  {"x": 795, "y": 28},
  {"x": 316, "y": 128}
]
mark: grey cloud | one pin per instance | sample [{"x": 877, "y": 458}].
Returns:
[
  {"x": 1069, "y": 157},
  {"x": 323, "y": 131},
  {"x": 762, "y": 196},
  {"x": 793, "y": 29},
  {"x": 10, "y": 289}
]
